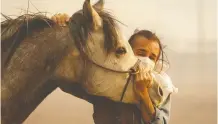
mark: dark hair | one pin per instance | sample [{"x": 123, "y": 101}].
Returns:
[{"x": 151, "y": 36}]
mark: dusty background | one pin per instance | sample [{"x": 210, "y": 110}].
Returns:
[{"x": 187, "y": 27}]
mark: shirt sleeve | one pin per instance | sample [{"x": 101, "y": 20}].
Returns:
[{"x": 163, "y": 112}]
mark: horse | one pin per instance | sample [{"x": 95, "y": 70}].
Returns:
[{"x": 38, "y": 56}]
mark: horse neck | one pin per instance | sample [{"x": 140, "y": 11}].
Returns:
[
  {"x": 25, "y": 81},
  {"x": 17, "y": 108},
  {"x": 71, "y": 67}
]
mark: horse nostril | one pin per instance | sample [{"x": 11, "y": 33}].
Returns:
[{"x": 120, "y": 51}]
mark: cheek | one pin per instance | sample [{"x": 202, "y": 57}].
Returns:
[
  {"x": 158, "y": 55},
  {"x": 155, "y": 48}
]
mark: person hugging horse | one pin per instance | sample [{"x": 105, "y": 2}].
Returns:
[{"x": 150, "y": 110}]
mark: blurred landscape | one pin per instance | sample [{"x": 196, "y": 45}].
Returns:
[
  {"x": 187, "y": 27},
  {"x": 196, "y": 76}
]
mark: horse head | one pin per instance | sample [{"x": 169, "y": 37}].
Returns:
[{"x": 105, "y": 52}]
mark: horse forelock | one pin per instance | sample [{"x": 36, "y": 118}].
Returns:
[{"x": 80, "y": 30}]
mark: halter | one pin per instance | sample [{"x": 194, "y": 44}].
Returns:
[{"x": 132, "y": 71}]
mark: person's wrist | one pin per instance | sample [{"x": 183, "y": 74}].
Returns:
[
  {"x": 144, "y": 101},
  {"x": 144, "y": 93}
]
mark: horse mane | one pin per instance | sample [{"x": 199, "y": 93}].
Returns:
[{"x": 14, "y": 31}]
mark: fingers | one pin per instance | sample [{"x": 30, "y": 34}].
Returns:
[
  {"x": 66, "y": 17},
  {"x": 54, "y": 18},
  {"x": 139, "y": 83},
  {"x": 60, "y": 19},
  {"x": 149, "y": 80},
  {"x": 144, "y": 80},
  {"x": 139, "y": 78}
]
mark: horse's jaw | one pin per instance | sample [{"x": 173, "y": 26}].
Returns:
[
  {"x": 71, "y": 67},
  {"x": 109, "y": 84}
]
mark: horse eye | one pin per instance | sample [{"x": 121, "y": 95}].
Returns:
[{"x": 120, "y": 51}]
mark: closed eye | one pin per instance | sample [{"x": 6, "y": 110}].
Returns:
[
  {"x": 141, "y": 52},
  {"x": 152, "y": 58}
]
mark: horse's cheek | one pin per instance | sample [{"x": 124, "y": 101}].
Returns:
[{"x": 69, "y": 68}]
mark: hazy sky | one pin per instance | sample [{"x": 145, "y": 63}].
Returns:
[{"x": 179, "y": 23}]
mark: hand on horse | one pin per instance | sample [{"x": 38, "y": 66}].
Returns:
[
  {"x": 143, "y": 81},
  {"x": 60, "y": 19}
]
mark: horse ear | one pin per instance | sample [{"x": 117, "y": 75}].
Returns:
[
  {"x": 92, "y": 16},
  {"x": 99, "y": 5}
]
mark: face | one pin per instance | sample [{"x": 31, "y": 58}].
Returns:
[{"x": 146, "y": 48}]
